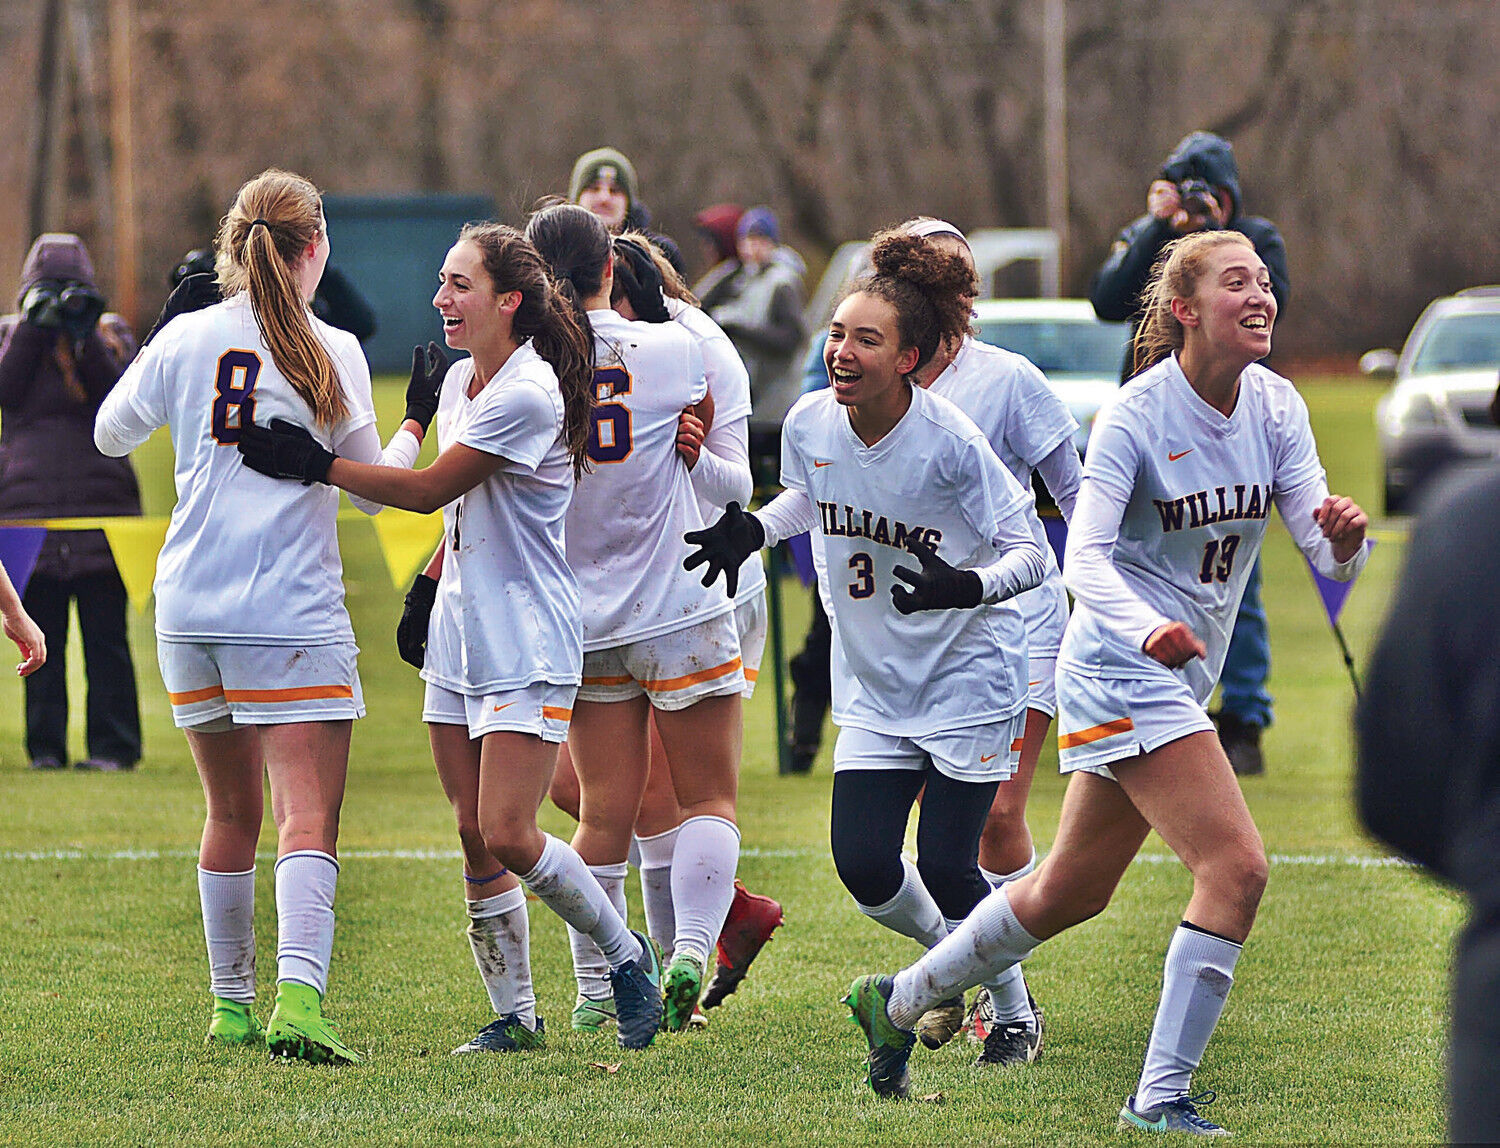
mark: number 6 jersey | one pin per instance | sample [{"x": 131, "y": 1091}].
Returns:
[{"x": 247, "y": 559}]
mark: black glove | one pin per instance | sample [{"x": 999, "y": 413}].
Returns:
[
  {"x": 411, "y": 631},
  {"x": 285, "y": 450},
  {"x": 937, "y": 586},
  {"x": 193, "y": 294},
  {"x": 725, "y": 545},
  {"x": 642, "y": 282},
  {"x": 428, "y": 366},
  {"x": 41, "y": 305},
  {"x": 81, "y": 307}
]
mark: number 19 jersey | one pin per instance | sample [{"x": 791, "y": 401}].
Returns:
[
  {"x": 630, "y": 511},
  {"x": 247, "y": 559}
]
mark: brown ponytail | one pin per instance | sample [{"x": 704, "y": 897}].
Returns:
[{"x": 259, "y": 245}]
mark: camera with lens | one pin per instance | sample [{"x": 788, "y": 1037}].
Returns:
[
  {"x": 1197, "y": 197},
  {"x": 66, "y": 305}
]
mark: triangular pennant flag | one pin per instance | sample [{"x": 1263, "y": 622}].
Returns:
[
  {"x": 407, "y": 540},
  {"x": 136, "y": 543},
  {"x": 19, "y": 547},
  {"x": 1056, "y": 527},
  {"x": 799, "y": 546},
  {"x": 1331, "y": 592}
]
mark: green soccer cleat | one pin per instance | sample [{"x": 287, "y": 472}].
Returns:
[
  {"x": 1180, "y": 1114},
  {"x": 680, "y": 991},
  {"x": 593, "y": 1016},
  {"x": 507, "y": 1033},
  {"x": 890, "y": 1047},
  {"x": 298, "y": 1031},
  {"x": 234, "y": 1023}
]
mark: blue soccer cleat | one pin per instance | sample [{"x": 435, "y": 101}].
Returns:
[
  {"x": 1180, "y": 1114},
  {"x": 637, "y": 989}
]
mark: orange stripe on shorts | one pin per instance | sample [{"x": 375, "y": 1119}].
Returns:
[
  {"x": 556, "y": 713},
  {"x": 295, "y": 694},
  {"x": 1095, "y": 733},
  {"x": 1015, "y": 746},
  {"x": 751, "y": 675},
  {"x": 686, "y": 680},
  {"x": 188, "y": 697}
]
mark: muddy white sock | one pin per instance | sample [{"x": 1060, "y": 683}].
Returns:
[
  {"x": 589, "y": 964},
  {"x": 563, "y": 883},
  {"x": 228, "y": 901},
  {"x": 703, "y": 865},
  {"x": 911, "y": 912},
  {"x": 500, "y": 937},
  {"x": 656, "y": 888},
  {"x": 305, "y": 885},
  {"x": 1199, "y": 973}
]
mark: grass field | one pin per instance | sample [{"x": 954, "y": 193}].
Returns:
[{"x": 1334, "y": 1032}]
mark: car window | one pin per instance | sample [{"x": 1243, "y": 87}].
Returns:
[
  {"x": 1061, "y": 346},
  {"x": 1459, "y": 341}
]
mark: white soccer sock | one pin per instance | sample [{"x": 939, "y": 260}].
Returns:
[
  {"x": 989, "y": 941},
  {"x": 656, "y": 887},
  {"x": 589, "y": 966},
  {"x": 500, "y": 937},
  {"x": 911, "y": 912},
  {"x": 228, "y": 901},
  {"x": 1200, "y": 970},
  {"x": 708, "y": 850},
  {"x": 564, "y": 884},
  {"x": 305, "y": 884},
  {"x": 998, "y": 879}
]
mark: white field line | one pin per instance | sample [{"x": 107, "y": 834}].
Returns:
[{"x": 1313, "y": 860}]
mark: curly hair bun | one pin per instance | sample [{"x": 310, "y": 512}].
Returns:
[{"x": 901, "y": 255}]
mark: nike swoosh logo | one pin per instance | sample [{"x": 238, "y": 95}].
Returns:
[
  {"x": 983, "y": 759},
  {"x": 821, "y": 464},
  {"x": 1174, "y": 457},
  {"x": 506, "y": 706}
]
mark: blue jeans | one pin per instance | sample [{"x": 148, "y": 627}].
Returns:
[{"x": 1247, "y": 663}]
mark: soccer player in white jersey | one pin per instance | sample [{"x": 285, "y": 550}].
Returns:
[
  {"x": 1030, "y": 428},
  {"x": 1177, "y": 488},
  {"x": 654, "y": 640},
  {"x": 503, "y": 643},
  {"x": 929, "y": 683},
  {"x": 253, "y": 641}
]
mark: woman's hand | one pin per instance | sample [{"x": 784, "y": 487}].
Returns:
[
  {"x": 690, "y": 435},
  {"x": 1174, "y": 645},
  {"x": 1344, "y": 524},
  {"x": 27, "y": 636}
]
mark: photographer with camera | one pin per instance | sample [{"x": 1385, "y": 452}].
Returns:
[
  {"x": 59, "y": 356},
  {"x": 1198, "y": 189}
]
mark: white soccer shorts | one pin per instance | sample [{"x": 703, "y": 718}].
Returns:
[
  {"x": 752, "y": 620},
  {"x": 541, "y": 709},
  {"x": 976, "y": 754},
  {"x": 673, "y": 670},
  {"x": 1101, "y": 720},
  {"x": 259, "y": 685}
]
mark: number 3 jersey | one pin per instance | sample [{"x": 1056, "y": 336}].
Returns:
[
  {"x": 506, "y": 613},
  {"x": 247, "y": 559},
  {"x": 629, "y": 513},
  {"x": 1196, "y": 488},
  {"x": 933, "y": 476}
]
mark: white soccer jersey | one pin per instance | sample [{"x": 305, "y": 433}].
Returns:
[
  {"x": 507, "y": 609},
  {"x": 629, "y": 513},
  {"x": 247, "y": 558},
  {"x": 729, "y": 384},
  {"x": 1196, "y": 489},
  {"x": 934, "y": 475},
  {"x": 1009, "y": 400}
]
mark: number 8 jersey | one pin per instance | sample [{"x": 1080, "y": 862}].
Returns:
[
  {"x": 629, "y": 512},
  {"x": 247, "y": 559}
]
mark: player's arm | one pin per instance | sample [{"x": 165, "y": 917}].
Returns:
[
  {"x": 20, "y": 629},
  {"x": 456, "y": 471}
]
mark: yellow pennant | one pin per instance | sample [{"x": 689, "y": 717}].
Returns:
[
  {"x": 135, "y": 542},
  {"x": 407, "y": 540}
]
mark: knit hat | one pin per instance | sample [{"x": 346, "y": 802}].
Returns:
[
  {"x": 57, "y": 255},
  {"x": 758, "y": 221},
  {"x": 719, "y": 223},
  {"x": 592, "y": 165}
]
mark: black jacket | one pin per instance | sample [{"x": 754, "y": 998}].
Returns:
[{"x": 1116, "y": 287}]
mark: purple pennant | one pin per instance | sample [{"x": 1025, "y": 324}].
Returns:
[
  {"x": 800, "y": 548},
  {"x": 1333, "y": 593},
  {"x": 19, "y": 547},
  {"x": 1056, "y": 527}
]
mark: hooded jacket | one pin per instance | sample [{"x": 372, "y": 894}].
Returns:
[
  {"x": 1116, "y": 287},
  {"x": 49, "y": 466}
]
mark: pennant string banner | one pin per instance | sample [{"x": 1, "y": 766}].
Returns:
[{"x": 407, "y": 540}]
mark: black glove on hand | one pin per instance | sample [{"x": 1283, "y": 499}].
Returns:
[
  {"x": 193, "y": 294},
  {"x": 285, "y": 450},
  {"x": 411, "y": 631},
  {"x": 937, "y": 586},
  {"x": 643, "y": 283},
  {"x": 41, "y": 306},
  {"x": 81, "y": 307},
  {"x": 725, "y": 545},
  {"x": 428, "y": 366}
]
